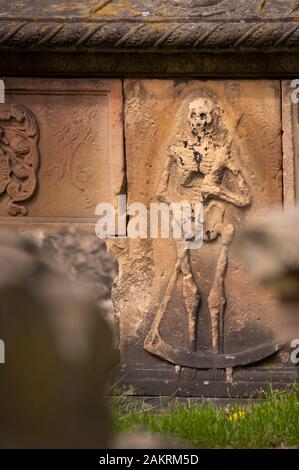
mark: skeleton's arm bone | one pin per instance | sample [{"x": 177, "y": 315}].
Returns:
[
  {"x": 212, "y": 189},
  {"x": 173, "y": 155},
  {"x": 163, "y": 183},
  {"x": 240, "y": 200},
  {"x": 235, "y": 169}
]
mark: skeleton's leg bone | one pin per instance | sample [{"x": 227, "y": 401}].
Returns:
[
  {"x": 191, "y": 297},
  {"x": 191, "y": 294},
  {"x": 217, "y": 299}
]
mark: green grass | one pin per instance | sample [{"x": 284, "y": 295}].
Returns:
[{"x": 274, "y": 422}]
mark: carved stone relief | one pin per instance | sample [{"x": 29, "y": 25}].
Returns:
[
  {"x": 202, "y": 158},
  {"x": 78, "y": 132},
  {"x": 77, "y": 126},
  {"x": 209, "y": 142},
  {"x": 172, "y": 25},
  {"x": 19, "y": 156},
  {"x": 215, "y": 142}
]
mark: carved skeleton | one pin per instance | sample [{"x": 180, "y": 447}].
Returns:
[
  {"x": 202, "y": 159},
  {"x": 19, "y": 156}
]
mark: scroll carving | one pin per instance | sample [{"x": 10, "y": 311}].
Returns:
[
  {"x": 19, "y": 156},
  {"x": 205, "y": 161}
]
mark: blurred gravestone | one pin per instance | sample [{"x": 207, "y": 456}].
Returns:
[
  {"x": 270, "y": 249},
  {"x": 58, "y": 352},
  {"x": 83, "y": 257}
]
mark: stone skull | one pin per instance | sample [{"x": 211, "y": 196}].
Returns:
[{"x": 200, "y": 114}]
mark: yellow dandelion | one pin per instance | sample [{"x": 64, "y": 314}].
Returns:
[{"x": 237, "y": 415}]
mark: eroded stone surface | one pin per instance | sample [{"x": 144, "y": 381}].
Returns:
[
  {"x": 208, "y": 303},
  {"x": 290, "y": 124}
]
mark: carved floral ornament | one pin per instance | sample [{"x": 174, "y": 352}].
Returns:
[
  {"x": 19, "y": 156},
  {"x": 79, "y": 131}
]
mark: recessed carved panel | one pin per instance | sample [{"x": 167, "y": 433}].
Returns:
[
  {"x": 219, "y": 143},
  {"x": 73, "y": 129}
]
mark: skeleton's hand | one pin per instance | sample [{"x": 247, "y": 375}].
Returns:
[
  {"x": 210, "y": 189},
  {"x": 246, "y": 199}
]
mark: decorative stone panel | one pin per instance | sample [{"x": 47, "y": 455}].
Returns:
[
  {"x": 198, "y": 312},
  {"x": 61, "y": 149}
]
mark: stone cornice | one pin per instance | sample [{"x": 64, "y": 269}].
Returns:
[{"x": 135, "y": 25}]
